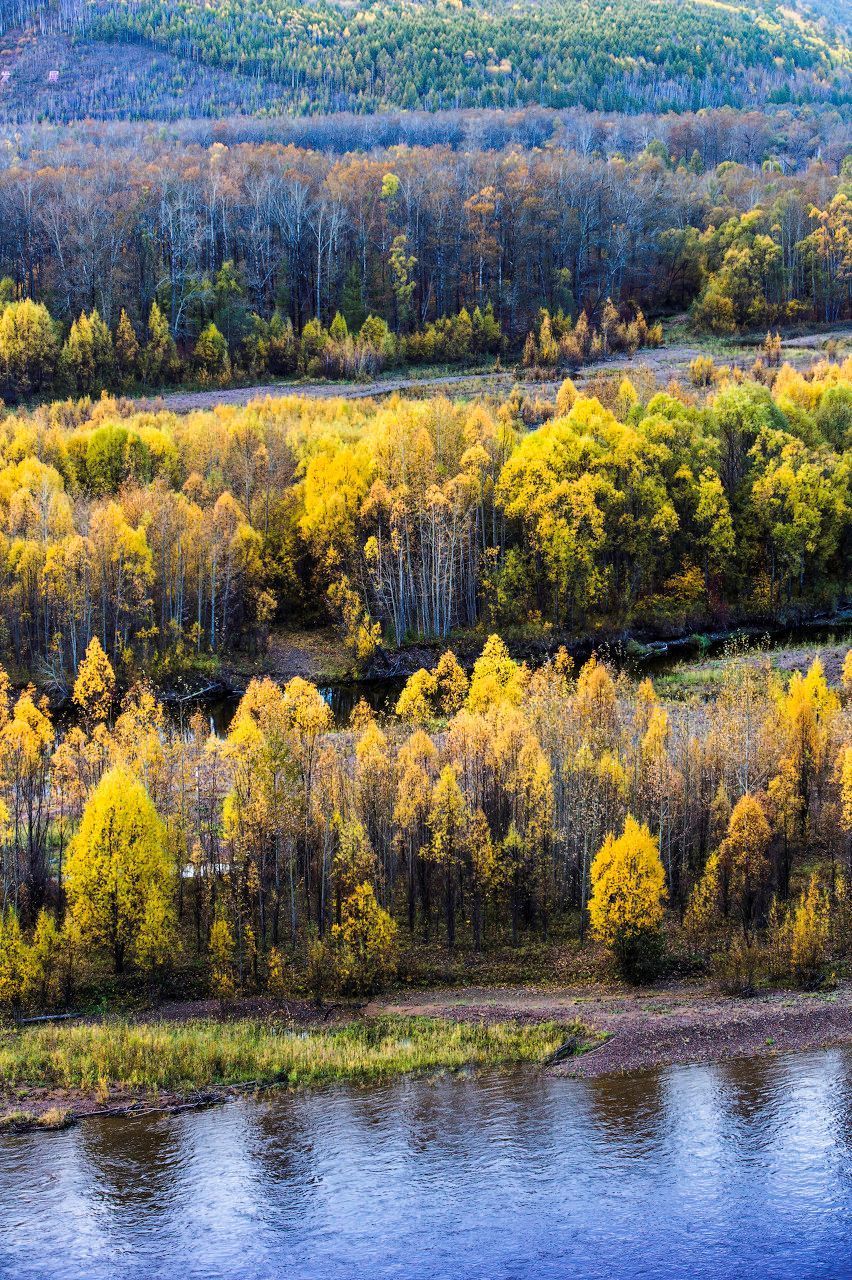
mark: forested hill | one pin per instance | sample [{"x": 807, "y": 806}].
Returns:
[{"x": 161, "y": 58}]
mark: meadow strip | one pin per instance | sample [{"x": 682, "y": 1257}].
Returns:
[{"x": 164, "y": 1056}]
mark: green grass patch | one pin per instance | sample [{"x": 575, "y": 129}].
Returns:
[{"x": 192, "y": 1055}]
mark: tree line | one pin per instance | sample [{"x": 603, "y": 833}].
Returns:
[
  {"x": 503, "y": 805},
  {"x": 223, "y": 234}
]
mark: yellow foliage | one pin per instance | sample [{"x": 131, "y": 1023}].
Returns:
[
  {"x": 12, "y": 959},
  {"x": 365, "y": 943},
  {"x": 222, "y": 969},
  {"x": 496, "y": 677},
  {"x": 628, "y": 888},
  {"x": 117, "y": 865},
  {"x": 41, "y": 967},
  {"x": 276, "y": 972},
  {"x": 809, "y": 935},
  {"x": 703, "y": 902},
  {"x": 415, "y": 703},
  {"x": 743, "y": 862},
  {"x": 452, "y": 683},
  {"x": 845, "y": 772},
  {"x": 94, "y": 688},
  {"x": 566, "y": 398},
  {"x": 595, "y": 702}
]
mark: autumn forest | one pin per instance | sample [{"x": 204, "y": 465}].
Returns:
[{"x": 586, "y": 244}]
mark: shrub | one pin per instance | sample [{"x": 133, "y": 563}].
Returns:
[{"x": 365, "y": 944}]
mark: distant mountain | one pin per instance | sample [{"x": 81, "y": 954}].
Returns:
[{"x": 164, "y": 59}]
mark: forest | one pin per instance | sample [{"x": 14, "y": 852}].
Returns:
[
  {"x": 422, "y": 184},
  {"x": 438, "y": 54},
  {"x": 500, "y": 809},
  {"x": 165, "y": 260},
  {"x": 174, "y": 538}
]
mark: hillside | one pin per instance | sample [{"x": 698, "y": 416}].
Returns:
[{"x": 137, "y": 59}]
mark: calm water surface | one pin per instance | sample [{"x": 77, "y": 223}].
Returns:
[{"x": 736, "y": 1170}]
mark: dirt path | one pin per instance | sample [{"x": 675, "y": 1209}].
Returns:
[
  {"x": 664, "y": 362},
  {"x": 652, "y": 1028},
  {"x": 187, "y": 401}
]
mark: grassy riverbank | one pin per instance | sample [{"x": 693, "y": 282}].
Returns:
[{"x": 160, "y": 1056}]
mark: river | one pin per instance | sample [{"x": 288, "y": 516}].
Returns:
[{"x": 737, "y": 1170}]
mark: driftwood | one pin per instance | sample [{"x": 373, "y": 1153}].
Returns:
[
  {"x": 573, "y": 1046},
  {"x": 46, "y": 1017}
]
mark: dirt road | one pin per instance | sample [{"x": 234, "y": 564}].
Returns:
[{"x": 664, "y": 362}]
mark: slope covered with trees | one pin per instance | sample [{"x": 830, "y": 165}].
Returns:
[
  {"x": 436, "y": 55},
  {"x": 172, "y": 537},
  {"x": 268, "y": 243}
]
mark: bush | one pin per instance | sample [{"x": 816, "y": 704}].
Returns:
[
  {"x": 365, "y": 944},
  {"x": 740, "y": 968},
  {"x": 702, "y": 371}
]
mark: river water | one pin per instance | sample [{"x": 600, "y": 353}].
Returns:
[{"x": 739, "y": 1170}]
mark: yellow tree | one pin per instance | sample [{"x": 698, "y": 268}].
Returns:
[
  {"x": 222, "y": 965},
  {"x": 95, "y": 684},
  {"x": 365, "y": 943},
  {"x": 117, "y": 865},
  {"x": 628, "y": 893},
  {"x": 25, "y": 743},
  {"x": 496, "y": 677},
  {"x": 809, "y": 935},
  {"x": 416, "y": 701},
  {"x": 307, "y": 718},
  {"x": 807, "y": 710},
  {"x": 417, "y": 766},
  {"x": 375, "y": 789},
  {"x": 452, "y": 683},
  {"x": 448, "y": 822},
  {"x": 42, "y": 960},
  {"x": 743, "y": 864}
]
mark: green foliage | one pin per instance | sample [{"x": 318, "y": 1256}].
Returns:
[
  {"x": 160, "y": 362},
  {"x": 211, "y": 354},
  {"x": 88, "y": 360},
  {"x": 433, "y": 55}
]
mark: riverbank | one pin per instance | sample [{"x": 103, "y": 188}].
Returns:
[
  {"x": 176, "y": 1060},
  {"x": 120, "y": 1068},
  {"x": 666, "y": 363},
  {"x": 646, "y": 1028},
  {"x": 319, "y": 655}
]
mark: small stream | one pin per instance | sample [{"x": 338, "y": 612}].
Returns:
[
  {"x": 741, "y": 1170},
  {"x": 654, "y": 659}
]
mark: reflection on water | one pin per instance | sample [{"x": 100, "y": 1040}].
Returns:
[{"x": 737, "y": 1170}]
